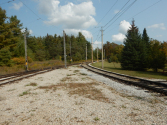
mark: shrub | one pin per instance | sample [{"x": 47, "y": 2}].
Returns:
[{"x": 21, "y": 60}]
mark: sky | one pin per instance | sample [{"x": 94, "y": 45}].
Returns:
[{"x": 90, "y": 17}]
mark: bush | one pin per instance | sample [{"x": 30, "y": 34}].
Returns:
[{"x": 21, "y": 60}]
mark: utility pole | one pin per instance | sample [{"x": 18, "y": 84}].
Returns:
[
  {"x": 25, "y": 43},
  {"x": 102, "y": 45},
  {"x": 92, "y": 49},
  {"x": 86, "y": 52},
  {"x": 70, "y": 52},
  {"x": 64, "y": 49},
  {"x": 104, "y": 54},
  {"x": 97, "y": 53}
]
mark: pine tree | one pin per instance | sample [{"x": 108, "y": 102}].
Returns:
[
  {"x": 146, "y": 41},
  {"x": 134, "y": 54}
]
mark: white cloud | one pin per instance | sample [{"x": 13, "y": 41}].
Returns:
[
  {"x": 118, "y": 38},
  {"x": 97, "y": 44},
  {"x": 159, "y": 36},
  {"x": 30, "y": 31},
  {"x": 116, "y": 11},
  {"x": 70, "y": 16},
  {"x": 158, "y": 26},
  {"x": 17, "y": 6},
  {"x": 123, "y": 28},
  {"x": 75, "y": 32}
]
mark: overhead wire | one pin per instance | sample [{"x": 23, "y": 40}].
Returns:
[
  {"x": 106, "y": 14},
  {"x": 7, "y": 2},
  {"x": 117, "y": 13},
  {"x": 139, "y": 13},
  {"x": 123, "y": 12},
  {"x": 35, "y": 13}
]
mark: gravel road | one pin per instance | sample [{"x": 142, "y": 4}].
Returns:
[{"x": 75, "y": 96}]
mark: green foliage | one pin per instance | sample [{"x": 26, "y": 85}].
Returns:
[
  {"x": 134, "y": 54},
  {"x": 5, "y": 57},
  {"x": 109, "y": 60},
  {"x": 157, "y": 56}
]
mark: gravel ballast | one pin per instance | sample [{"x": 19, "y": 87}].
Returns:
[{"x": 76, "y": 96}]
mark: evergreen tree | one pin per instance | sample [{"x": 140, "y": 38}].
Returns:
[
  {"x": 146, "y": 41},
  {"x": 134, "y": 54}
]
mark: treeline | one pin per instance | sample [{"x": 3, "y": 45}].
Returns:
[
  {"x": 48, "y": 47},
  {"x": 139, "y": 52},
  {"x": 52, "y": 47},
  {"x": 142, "y": 53}
]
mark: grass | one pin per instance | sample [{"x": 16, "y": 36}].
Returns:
[
  {"x": 116, "y": 67},
  {"x": 96, "y": 119},
  {"x": 33, "y": 66},
  {"x": 25, "y": 93}
]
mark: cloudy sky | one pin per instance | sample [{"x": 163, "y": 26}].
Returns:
[{"x": 88, "y": 16}]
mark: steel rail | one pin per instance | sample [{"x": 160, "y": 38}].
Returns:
[{"x": 155, "y": 86}]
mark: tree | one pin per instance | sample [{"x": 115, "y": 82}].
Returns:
[
  {"x": 157, "y": 56},
  {"x": 5, "y": 57},
  {"x": 164, "y": 48},
  {"x": 146, "y": 41},
  {"x": 134, "y": 54}
]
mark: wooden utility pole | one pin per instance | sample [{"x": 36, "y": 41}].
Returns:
[
  {"x": 102, "y": 46},
  {"x": 92, "y": 49},
  {"x": 86, "y": 52},
  {"x": 64, "y": 49},
  {"x": 25, "y": 43}
]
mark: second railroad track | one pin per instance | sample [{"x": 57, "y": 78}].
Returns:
[{"x": 156, "y": 86}]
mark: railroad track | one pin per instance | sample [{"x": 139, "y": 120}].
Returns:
[
  {"x": 155, "y": 86},
  {"x": 10, "y": 78}
]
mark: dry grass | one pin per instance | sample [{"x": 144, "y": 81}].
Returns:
[{"x": 87, "y": 90}]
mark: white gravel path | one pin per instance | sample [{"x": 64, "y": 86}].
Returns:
[{"x": 76, "y": 96}]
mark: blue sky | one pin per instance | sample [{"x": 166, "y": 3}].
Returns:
[{"x": 88, "y": 16}]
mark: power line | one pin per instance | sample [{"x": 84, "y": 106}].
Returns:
[
  {"x": 146, "y": 8},
  {"x": 140, "y": 12},
  {"x": 106, "y": 14},
  {"x": 117, "y": 13},
  {"x": 122, "y": 13},
  {"x": 108, "y": 11},
  {"x": 7, "y": 2},
  {"x": 39, "y": 18}
]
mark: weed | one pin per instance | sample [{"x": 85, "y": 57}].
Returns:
[
  {"x": 11, "y": 90},
  {"x": 96, "y": 119},
  {"x": 132, "y": 114},
  {"x": 76, "y": 71},
  {"x": 25, "y": 93},
  {"x": 83, "y": 74},
  {"x": 123, "y": 106},
  {"x": 32, "y": 84}
]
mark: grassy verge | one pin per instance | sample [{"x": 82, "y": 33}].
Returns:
[
  {"x": 116, "y": 67},
  {"x": 33, "y": 66}
]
